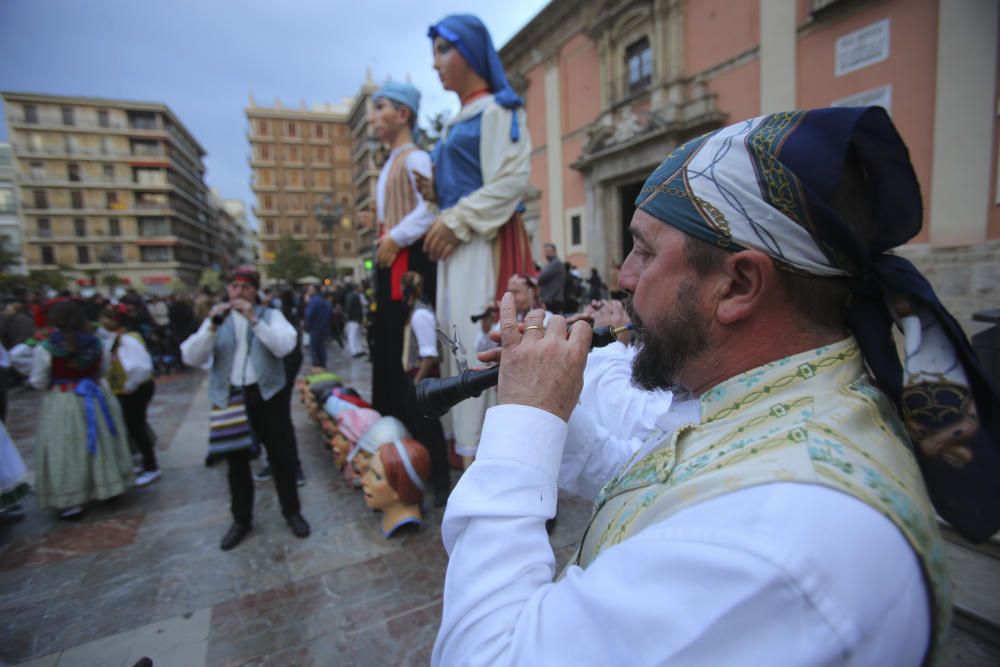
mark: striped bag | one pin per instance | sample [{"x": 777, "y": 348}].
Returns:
[{"x": 229, "y": 430}]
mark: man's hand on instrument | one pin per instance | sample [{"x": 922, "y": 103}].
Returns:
[
  {"x": 387, "y": 251},
  {"x": 244, "y": 308},
  {"x": 604, "y": 313},
  {"x": 425, "y": 186},
  {"x": 540, "y": 366},
  {"x": 440, "y": 241}
]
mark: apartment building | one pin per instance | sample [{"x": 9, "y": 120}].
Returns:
[
  {"x": 365, "y": 153},
  {"x": 611, "y": 88},
  {"x": 301, "y": 159},
  {"x": 111, "y": 186},
  {"x": 11, "y": 229},
  {"x": 248, "y": 251}
]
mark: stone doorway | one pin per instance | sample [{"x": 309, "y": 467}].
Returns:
[{"x": 627, "y": 195}]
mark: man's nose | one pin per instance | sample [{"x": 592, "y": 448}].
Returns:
[{"x": 628, "y": 277}]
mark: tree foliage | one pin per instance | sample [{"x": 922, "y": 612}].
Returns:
[
  {"x": 292, "y": 262},
  {"x": 430, "y": 135},
  {"x": 211, "y": 279},
  {"x": 52, "y": 278}
]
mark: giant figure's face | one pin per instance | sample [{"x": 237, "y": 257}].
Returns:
[
  {"x": 386, "y": 120},
  {"x": 672, "y": 324},
  {"x": 378, "y": 493},
  {"x": 451, "y": 67}
]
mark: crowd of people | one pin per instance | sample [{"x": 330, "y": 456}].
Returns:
[{"x": 749, "y": 433}]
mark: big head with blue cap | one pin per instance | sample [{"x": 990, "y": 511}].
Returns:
[
  {"x": 826, "y": 194},
  {"x": 405, "y": 94}
]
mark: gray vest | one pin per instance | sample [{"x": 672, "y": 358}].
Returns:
[{"x": 269, "y": 368}]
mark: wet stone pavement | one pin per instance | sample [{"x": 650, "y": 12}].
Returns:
[{"x": 144, "y": 575}]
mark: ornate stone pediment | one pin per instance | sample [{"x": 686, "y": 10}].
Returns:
[{"x": 694, "y": 110}]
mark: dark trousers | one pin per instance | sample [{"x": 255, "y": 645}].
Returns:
[
  {"x": 428, "y": 432},
  {"x": 271, "y": 421},
  {"x": 134, "y": 408},
  {"x": 317, "y": 348}
]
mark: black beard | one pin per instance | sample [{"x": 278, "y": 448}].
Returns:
[{"x": 679, "y": 338}]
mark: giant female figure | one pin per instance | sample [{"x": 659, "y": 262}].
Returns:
[{"x": 481, "y": 167}]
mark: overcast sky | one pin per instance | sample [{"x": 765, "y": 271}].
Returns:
[{"x": 203, "y": 57}]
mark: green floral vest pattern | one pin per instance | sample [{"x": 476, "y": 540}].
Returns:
[{"x": 812, "y": 418}]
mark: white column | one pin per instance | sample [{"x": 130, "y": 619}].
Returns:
[
  {"x": 964, "y": 107},
  {"x": 553, "y": 151},
  {"x": 777, "y": 55}
]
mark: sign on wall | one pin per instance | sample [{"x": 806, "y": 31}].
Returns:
[
  {"x": 863, "y": 47},
  {"x": 876, "y": 97}
]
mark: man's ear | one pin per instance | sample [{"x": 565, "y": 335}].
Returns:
[{"x": 748, "y": 278}]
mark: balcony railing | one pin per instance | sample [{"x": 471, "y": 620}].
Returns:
[
  {"x": 55, "y": 120},
  {"x": 25, "y": 149}
]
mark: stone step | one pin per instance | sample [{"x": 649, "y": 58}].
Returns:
[{"x": 975, "y": 571}]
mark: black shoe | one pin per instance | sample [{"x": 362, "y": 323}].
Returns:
[
  {"x": 263, "y": 475},
  {"x": 441, "y": 498},
  {"x": 298, "y": 525},
  {"x": 235, "y": 535},
  {"x": 71, "y": 514}
]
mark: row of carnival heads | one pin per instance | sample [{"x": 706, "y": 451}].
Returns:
[{"x": 373, "y": 453}]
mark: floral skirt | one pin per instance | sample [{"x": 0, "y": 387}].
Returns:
[{"x": 66, "y": 473}]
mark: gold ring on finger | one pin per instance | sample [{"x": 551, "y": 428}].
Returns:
[{"x": 533, "y": 326}]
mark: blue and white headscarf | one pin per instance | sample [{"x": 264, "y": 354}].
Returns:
[
  {"x": 769, "y": 183},
  {"x": 469, "y": 35}
]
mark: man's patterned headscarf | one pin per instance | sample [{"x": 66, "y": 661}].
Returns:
[{"x": 769, "y": 183}]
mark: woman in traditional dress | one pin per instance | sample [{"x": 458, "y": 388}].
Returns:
[
  {"x": 130, "y": 376},
  {"x": 81, "y": 446},
  {"x": 481, "y": 167}
]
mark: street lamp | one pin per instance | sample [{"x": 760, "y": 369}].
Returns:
[{"x": 328, "y": 214}]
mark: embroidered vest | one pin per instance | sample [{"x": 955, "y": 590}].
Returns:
[
  {"x": 813, "y": 418},
  {"x": 270, "y": 369},
  {"x": 399, "y": 196}
]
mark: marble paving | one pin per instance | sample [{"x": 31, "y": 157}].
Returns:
[{"x": 144, "y": 576}]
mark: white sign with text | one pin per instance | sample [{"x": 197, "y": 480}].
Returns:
[{"x": 863, "y": 47}]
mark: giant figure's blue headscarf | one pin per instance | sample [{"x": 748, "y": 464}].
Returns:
[{"x": 468, "y": 34}]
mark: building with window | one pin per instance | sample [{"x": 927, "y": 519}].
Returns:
[
  {"x": 110, "y": 187},
  {"x": 611, "y": 88},
  {"x": 299, "y": 157},
  {"x": 365, "y": 156},
  {"x": 11, "y": 229},
  {"x": 248, "y": 250}
]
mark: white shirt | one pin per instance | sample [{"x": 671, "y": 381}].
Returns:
[
  {"x": 276, "y": 334},
  {"x": 779, "y": 574},
  {"x": 423, "y": 324},
  {"x": 610, "y": 399},
  {"x": 135, "y": 359},
  {"x": 415, "y": 223}
]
